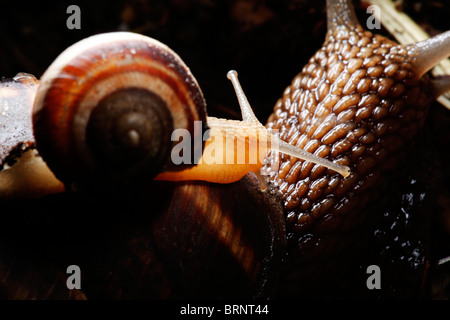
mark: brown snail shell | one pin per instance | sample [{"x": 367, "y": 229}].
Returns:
[
  {"x": 168, "y": 241},
  {"x": 208, "y": 249},
  {"x": 27, "y": 277},
  {"x": 106, "y": 108}
]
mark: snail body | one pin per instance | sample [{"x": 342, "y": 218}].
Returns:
[{"x": 361, "y": 100}]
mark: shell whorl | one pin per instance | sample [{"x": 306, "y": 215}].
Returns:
[{"x": 106, "y": 108}]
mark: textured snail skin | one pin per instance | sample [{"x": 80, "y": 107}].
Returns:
[{"x": 359, "y": 101}]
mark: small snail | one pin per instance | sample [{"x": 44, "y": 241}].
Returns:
[{"x": 106, "y": 108}]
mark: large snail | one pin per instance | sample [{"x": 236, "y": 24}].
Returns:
[
  {"x": 362, "y": 99},
  {"x": 356, "y": 106}
]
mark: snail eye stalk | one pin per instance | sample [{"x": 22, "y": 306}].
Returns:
[{"x": 276, "y": 143}]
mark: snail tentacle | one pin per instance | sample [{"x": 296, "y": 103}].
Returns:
[
  {"x": 428, "y": 53},
  {"x": 340, "y": 14},
  {"x": 236, "y": 148},
  {"x": 276, "y": 144},
  {"x": 440, "y": 86},
  {"x": 247, "y": 112}
]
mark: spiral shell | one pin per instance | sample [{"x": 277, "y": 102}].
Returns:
[{"x": 106, "y": 108}]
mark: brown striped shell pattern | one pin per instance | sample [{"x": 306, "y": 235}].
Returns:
[{"x": 127, "y": 94}]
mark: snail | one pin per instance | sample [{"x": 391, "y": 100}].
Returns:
[
  {"x": 349, "y": 106},
  {"x": 107, "y": 107},
  {"x": 361, "y": 99}
]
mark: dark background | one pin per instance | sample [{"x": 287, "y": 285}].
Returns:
[{"x": 266, "y": 41}]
